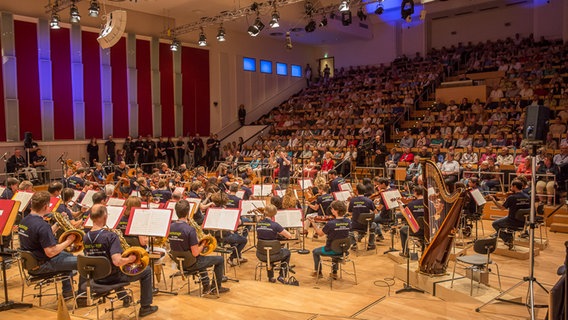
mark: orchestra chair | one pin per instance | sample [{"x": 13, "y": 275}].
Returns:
[
  {"x": 520, "y": 215},
  {"x": 366, "y": 219},
  {"x": 268, "y": 254},
  {"x": 539, "y": 221},
  {"x": 94, "y": 268},
  {"x": 225, "y": 250},
  {"x": 341, "y": 247},
  {"x": 155, "y": 256},
  {"x": 478, "y": 262},
  {"x": 184, "y": 261},
  {"x": 27, "y": 265}
]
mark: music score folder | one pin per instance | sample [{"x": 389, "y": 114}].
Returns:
[
  {"x": 222, "y": 219},
  {"x": 8, "y": 213},
  {"x": 149, "y": 222},
  {"x": 289, "y": 218},
  {"x": 24, "y": 198},
  {"x": 114, "y": 214}
]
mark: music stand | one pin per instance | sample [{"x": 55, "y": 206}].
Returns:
[
  {"x": 6, "y": 224},
  {"x": 291, "y": 218},
  {"x": 246, "y": 207},
  {"x": 390, "y": 202},
  {"x": 222, "y": 219},
  {"x": 151, "y": 223},
  {"x": 412, "y": 224}
]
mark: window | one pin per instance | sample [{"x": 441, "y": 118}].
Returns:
[
  {"x": 249, "y": 64},
  {"x": 296, "y": 71},
  {"x": 265, "y": 66},
  {"x": 281, "y": 69}
]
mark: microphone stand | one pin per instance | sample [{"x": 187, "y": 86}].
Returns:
[
  {"x": 8, "y": 304},
  {"x": 303, "y": 250}
]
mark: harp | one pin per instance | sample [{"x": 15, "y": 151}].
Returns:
[{"x": 442, "y": 215}]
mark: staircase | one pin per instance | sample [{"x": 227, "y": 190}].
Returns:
[{"x": 559, "y": 221}]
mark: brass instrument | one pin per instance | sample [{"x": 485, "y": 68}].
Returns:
[
  {"x": 209, "y": 242},
  {"x": 320, "y": 181},
  {"x": 142, "y": 257},
  {"x": 71, "y": 164},
  {"x": 289, "y": 200},
  {"x": 68, "y": 229}
]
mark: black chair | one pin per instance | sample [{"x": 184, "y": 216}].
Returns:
[
  {"x": 341, "y": 247},
  {"x": 184, "y": 261},
  {"x": 94, "y": 268},
  {"x": 520, "y": 215},
  {"x": 479, "y": 262},
  {"x": 28, "y": 266},
  {"x": 269, "y": 255},
  {"x": 366, "y": 219}
]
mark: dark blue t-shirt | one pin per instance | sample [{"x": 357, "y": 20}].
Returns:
[
  {"x": 64, "y": 209},
  {"x": 182, "y": 236},
  {"x": 336, "y": 229},
  {"x": 7, "y": 194},
  {"x": 103, "y": 243},
  {"x": 163, "y": 195},
  {"x": 358, "y": 205},
  {"x": 233, "y": 202},
  {"x": 266, "y": 229},
  {"x": 516, "y": 201},
  {"x": 248, "y": 192},
  {"x": 35, "y": 235},
  {"x": 75, "y": 182},
  {"x": 334, "y": 184},
  {"x": 325, "y": 201}
]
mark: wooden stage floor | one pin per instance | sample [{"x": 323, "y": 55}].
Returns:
[{"x": 372, "y": 298}]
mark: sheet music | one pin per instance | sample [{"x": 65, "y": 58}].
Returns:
[
  {"x": 289, "y": 218},
  {"x": 172, "y": 205},
  {"x": 24, "y": 198},
  {"x": 221, "y": 219},
  {"x": 240, "y": 194},
  {"x": 149, "y": 222},
  {"x": 281, "y": 193},
  {"x": 197, "y": 201},
  {"x": 261, "y": 190},
  {"x": 342, "y": 195},
  {"x": 116, "y": 202},
  {"x": 152, "y": 205},
  {"x": 305, "y": 183},
  {"x": 247, "y": 206},
  {"x": 346, "y": 187},
  {"x": 76, "y": 195},
  {"x": 135, "y": 193},
  {"x": 1, "y": 213},
  {"x": 179, "y": 190},
  {"x": 431, "y": 191},
  {"x": 88, "y": 199},
  {"x": 2, "y": 190},
  {"x": 390, "y": 198},
  {"x": 478, "y": 197},
  {"x": 113, "y": 217}
]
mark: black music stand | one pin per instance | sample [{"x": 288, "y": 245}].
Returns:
[
  {"x": 220, "y": 219},
  {"x": 303, "y": 250},
  {"x": 407, "y": 287},
  {"x": 9, "y": 222}
]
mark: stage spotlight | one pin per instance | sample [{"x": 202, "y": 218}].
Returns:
[
  {"x": 379, "y": 9},
  {"x": 311, "y": 26},
  {"x": 346, "y": 18},
  {"x": 361, "y": 15},
  {"x": 221, "y": 34},
  {"x": 323, "y": 22},
  {"x": 256, "y": 28},
  {"x": 344, "y": 6},
  {"x": 54, "y": 22},
  {"x": 94, "y": 9},
  {"x": 75, "y": 17},
  {"x": 275, "y": 21},
  {"x": 288, "y": 41},
  {"x": 175, "y": 45},
  {"x": 202, "y": 42},
  {"x": 407, "y": 9}
]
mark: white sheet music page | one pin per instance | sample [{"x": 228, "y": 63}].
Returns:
[
  {"x": 2, "y": 190},
  {"x": 248, "y": 206},
  {"x": 76, "y": 195},
  {"x": 261, "y": 190},
  {"x": 305, "y": 183},
  {"x": 179, "y": 190},
  {"x": 149, "y": 222},
  {"x": 478, "y": 197},
  {"x": 281, "y": 193},
  {"x": 24, "y": 198},
  {"x": 135, "y": 193},
  {"x": 114, "y": 214},
  {"x": 197, "y": 201},
  {"x": 221, "y": 219},
  {"x": 390, "y": 197},
  {"x": 88, "y": 199},
  {"x": 116, "y": 202},
  {"x": 289, "y": 218},
  {"x": 346, "y": 187},
  {"x": 240, "y": 193},
  {"x": 342, "y": 195}
]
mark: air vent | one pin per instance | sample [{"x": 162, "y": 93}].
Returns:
[
  {"x": 463, "y": 13},
  {"x": 277, "y": 34},
  {"x": 297, "y": 29},
  {"x": 515, "y": 3},
  {"x": 440, "y": 18},
  {"x": 488, "y": 8}
]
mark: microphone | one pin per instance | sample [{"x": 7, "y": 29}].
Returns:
[
  {"x": 4, "y": 155},
  {"x": 60, "y": 157}
]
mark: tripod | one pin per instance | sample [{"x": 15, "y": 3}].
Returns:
[
  {"x": 393, "y": 233},
  {"x": 407, "y": 287},
  {"x": 530, "y": 279}
]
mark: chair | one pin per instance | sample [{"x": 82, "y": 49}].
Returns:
[
  {"x": 520, "y": 215},
  {"x": 27, "y": 265},
  {"x": 480, "y": 261},
  {"x": 184, "y": 261},
  {"x": 366, "y": 219},
  {"x": 341, "y": 247},
  {"x": 94, "y": 268},
  {"x": 268, "y": 254}
]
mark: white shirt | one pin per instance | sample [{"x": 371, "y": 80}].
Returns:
[{"x": 450, "y": 166}]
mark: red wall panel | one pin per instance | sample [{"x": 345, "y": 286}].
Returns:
[
  {"x": 119, "y": 89},
  {"x": 25, "y": 34},
  {"x": 144, "y": 87},
  {"x": 61, "y": 83},
  {"x": 195, "y": 91},
  {"x": 92, "y": 85},
  {"x": 167, "y": 90}
]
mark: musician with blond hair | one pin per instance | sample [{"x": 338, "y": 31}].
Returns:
[{"x": 267, "y": 229}]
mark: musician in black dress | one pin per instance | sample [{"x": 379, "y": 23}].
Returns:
[
  {"x": 358, "y": 205},
  {"x": 380, "y": 151},
  {"x": 100, "y": 241},
  {"x": 93, "y": 151},
  {"x": 139, "y": 150},
  {"x": 110, "y": 146},
  {"x": 128, "y": 148},
  {"x": 180, "y": 150},
  {"x": 518, "y": 200},
  {"x": 170, "y": 152},
  {"x": 198, "y": 146},
  {"x": 338, "y": 228},
  {"x": 161, "y": 145},
  {"x": 267, "y": 229},
  {"x": 183, "y": 237},
  {"x": 416, "y": 207}
]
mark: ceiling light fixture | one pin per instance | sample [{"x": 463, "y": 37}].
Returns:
[
  {"x": 256, "y": 28},
  {"x": 54, "y": 22},
  {"x": 221, "y": 34},
  {"x": 344, "y": 6},
  {"x": 94, "y": 9},
  {"x": 407, "y": 9},
  {"x": 323, "y": 22},
  {"x": 379, "y": 10},
  {"x": 175, "y": 45},
  {"x": 288, "y": 41},
  {"x": 346, "y": 18},
  {"x": 275, "y": 21},
  {"x": 202, "y": 42},
  {"x": 311, "y": 26},
  {"x": 75, "y": 17}
]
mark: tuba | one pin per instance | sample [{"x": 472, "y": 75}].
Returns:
[
  {"x": 68, "y": 229},
  {"x": 142, "y": 257},
  {"x": 209, "y": 242}
]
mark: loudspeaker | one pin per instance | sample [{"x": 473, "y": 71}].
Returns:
[
  {"x": 28, "y": 138},
  {"x": 113, "y": 30},
  {"x": 536, "y": 123}
]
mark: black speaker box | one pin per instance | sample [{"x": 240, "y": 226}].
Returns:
[{"x": 536, "y": 123}]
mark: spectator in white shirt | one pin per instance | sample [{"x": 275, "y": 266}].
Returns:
[
  {"x": 464, "y": 141},
  {"x": 406, "y": 141},
  {"x": 504, "y": 158},
  {"x": 450, "y": 169}
]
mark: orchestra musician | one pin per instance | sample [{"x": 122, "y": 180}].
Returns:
[
  {"x": 338, "y": 228},
  {"x": 36, "y": 236},
  {"x": 514, "y": 202},
  {"x": 385, "y": 216},
  {"x": 247, "y": 188},
  {"x": 334, "y": 181},
  {"x": 11, "y": 188},
  {"x": 39, "y": 162},
  {"x": 183, "y": 237},
  {"x": 321, "y": 208},
  {"x": 416, "y": 207},
  {"x": 99, "y": 173},
  {"x": 75, "y": 217},
  {"x": 77, "y": 180},
  {"x": 93, "y": 151},
  {"x": 170, "y": 152},
  {"x": 358, "y": 205},
  {"x": 110, "y": 146},
  {"x": 162, "y": 192},
  {"x": 100, "y": 241},
  {"x": 197, "y": 191},
  {"x": 267, "y": 229},
  {"x": 234, "y": 239}
]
